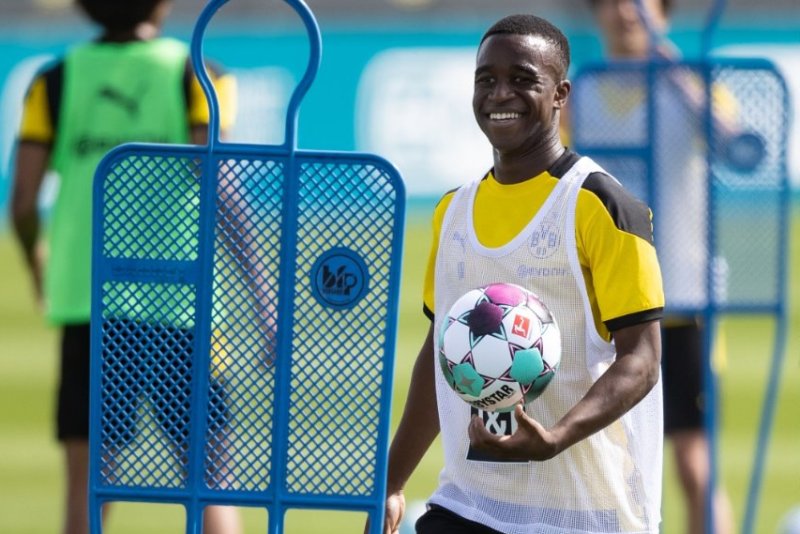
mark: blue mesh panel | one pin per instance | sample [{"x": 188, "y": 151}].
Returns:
[
  {"x": 150, "y": 212},
  {"x": 210, "y": 385},
  {"x": 711, "y": 138},
  {"x": 247, "y": 252},
  {"x": 244, "y": 313},
  {"x": 146, "y": 386},
  {"x": 338, "y": 354},
  {"x": 647, "y": 126},
  {"x": 146, "y": 219},
  {"x": 748, "y": 223}
]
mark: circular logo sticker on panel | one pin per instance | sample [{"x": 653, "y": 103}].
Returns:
[{"x": 339, "y": 278}]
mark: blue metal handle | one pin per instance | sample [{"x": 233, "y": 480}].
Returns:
[
  {"x": 710, "y": 27},
  {"x": 315, "y": 54},
  {"x": 655, "y": 36}
]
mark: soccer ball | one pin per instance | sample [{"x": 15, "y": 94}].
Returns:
[
  {"x": 499, "y": 345},
  {"x": 790, "y": 524}
]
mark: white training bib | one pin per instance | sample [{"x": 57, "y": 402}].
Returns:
[{"x": 609, "y": 482}]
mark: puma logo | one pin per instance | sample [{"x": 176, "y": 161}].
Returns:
[{"x": 131, "y": 105}]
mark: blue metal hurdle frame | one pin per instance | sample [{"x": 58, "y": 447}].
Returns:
[
  {"x": 325, "y": 228},
  {"x": 775, "y": 193}
]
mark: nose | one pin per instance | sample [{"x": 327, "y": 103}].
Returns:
[{"x": 501, "y": 91}]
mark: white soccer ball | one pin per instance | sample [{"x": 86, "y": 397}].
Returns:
[
  {"x": 499, "y": 345},
  {"x": 790, "y": 524}
]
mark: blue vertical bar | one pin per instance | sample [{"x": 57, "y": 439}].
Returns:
[
  {"x": 95, "y": 363},
  {"x": 202, "y": 335},
  {"x": 765, "y": 427},
  {"x": 709, "y": 378},
  {"x": 650, "y": 150},
  {"x": 314, "y": 60},
  {"x": 204, "y": 289},
  {"x": 286, "y": 289},
  {"x": 781, "y": 329},
  {"x": 389, "y": 351},
  {"x": 286, "y": 295},
  {"x": 710, "y": 312},
  {"x": 194, "y": 521},
  {"x": 202, "y": 339},
  {"x": 200, "y": 68},
  {"x": 710, "y": 27}
]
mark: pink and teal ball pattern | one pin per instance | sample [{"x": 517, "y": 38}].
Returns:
[{"x": 499, "y": 346}]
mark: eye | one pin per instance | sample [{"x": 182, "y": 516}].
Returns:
[
  {"x": 484, "y": 80},
  {"x": 525, "y": 80}
]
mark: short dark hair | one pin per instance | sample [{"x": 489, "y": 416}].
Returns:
[
  {"x": 119, "y": 15},
  {"x": 532, "y": 25},
  {"x": 666, "y": 5}
]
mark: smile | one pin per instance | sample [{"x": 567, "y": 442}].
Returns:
[{"x": 504, "y": 116}]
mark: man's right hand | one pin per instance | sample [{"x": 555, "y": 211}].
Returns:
[
  {"x": 395, "y": 508},
  {"x": 35, "y": 262}
]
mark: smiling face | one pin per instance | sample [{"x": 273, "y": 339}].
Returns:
[{"x": 519, "y": 88}]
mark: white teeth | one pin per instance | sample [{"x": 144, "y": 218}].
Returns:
[{"x": 503, "y": 116}]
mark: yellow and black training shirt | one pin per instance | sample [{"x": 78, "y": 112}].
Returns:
[{"x": 614, "y": 235}]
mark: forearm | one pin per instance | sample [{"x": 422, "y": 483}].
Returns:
[
  {"x": 626, "y": 382},
  {"x": 419, "y": 424},
  {"x": 26, "y": 230},
  {"x": 31, "y": 165}
]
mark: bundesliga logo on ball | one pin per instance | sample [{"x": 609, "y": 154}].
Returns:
[{"x": 499, "y": 345}]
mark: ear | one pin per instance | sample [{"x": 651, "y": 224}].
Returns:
[{"x": 562, "y": 94}]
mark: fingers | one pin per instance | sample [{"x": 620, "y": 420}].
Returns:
[
  {"x": 480, "y": 437},
  {"x": 475, "y": 430},
  {"x": 395, "y": 508},
  {"x": 507, "y": 447},
  {"x": 527, "y": 422},
  {"x": 521, "y": 416}
]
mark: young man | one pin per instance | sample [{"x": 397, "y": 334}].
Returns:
[
  {"x": 680, "y": 210},
  {"x": 129, "y": 85},
  {"x": 586, "y": 455}
]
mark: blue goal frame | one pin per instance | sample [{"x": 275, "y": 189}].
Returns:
[
  {"x": 244, "y": 320},
  {"x": 737, "y": 185}
]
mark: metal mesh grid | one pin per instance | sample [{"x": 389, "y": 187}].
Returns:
[
  {"x": 611, "y": 123},
  {"x": 152, "y": 212},
  {"x": 339, "y": 354},
  {"x": 154, "y": 316},
  {"x": 610, "y": 109},
  {"x": 244, "y": 316},
  {"x": 747, "y": 222},
  {"x": 146, "y": 384}
]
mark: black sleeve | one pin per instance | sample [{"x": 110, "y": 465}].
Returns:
[{"x": 54, "y": 85}]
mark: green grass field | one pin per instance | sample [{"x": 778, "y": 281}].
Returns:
[{"x": 31, "y": 478}]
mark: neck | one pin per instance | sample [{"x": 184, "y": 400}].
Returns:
[
  {"x": 513, "y": 169},
  {"x": 141, "y": 32}
]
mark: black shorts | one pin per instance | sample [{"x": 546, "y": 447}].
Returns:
[
  {"x": 152, "y": 363},
  {"x": 682, "y": 368},
  {"x": 72, "y": 404},
  {"x": 437, "y": 520}
]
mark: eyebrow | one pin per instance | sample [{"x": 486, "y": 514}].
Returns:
[
  {"x": 529, "y": 69},
  {"x": 523, "y": 67}
]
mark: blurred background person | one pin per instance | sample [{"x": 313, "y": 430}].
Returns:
[
  {"x": 130, "y": 84},
  {"x": 626, "y": 27}
]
